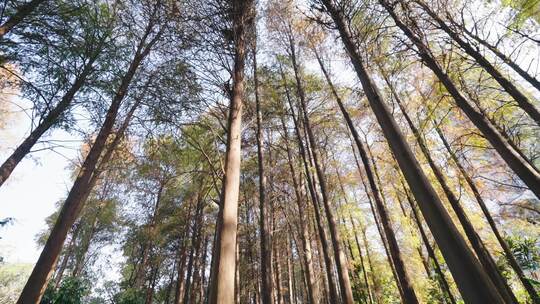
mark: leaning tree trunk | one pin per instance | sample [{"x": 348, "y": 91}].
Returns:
[
  {"x": 473, "y": 282},
  {"x": 523, "y": 102},
  {"x": 506, "y": 59},
  {"x": 481, "y": 251},
  {"x": 339, "y": 255},
  {"x": 222, "y": 290},
  {"x": 476, "y": 192},
  {"x": 48, "y": 121},
  {"x": 23, "y": 11},
  {"x": 409, "y": 295},
  {"x": 37, "y": 282},
  {"x": 515, "y": 161},
  {"x": 266, "y": 255}
]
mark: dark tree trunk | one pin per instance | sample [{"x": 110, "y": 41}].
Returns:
[
  {"x": 483, "y": 254},
  {"x": 22, "y": 12},
  {"x": 37, "y": 282},
  {"x": 45, "y": 124},
  {"x": 529, "y": 175},
  {"x": 523, "y": 102},
  {"x": 476, "y": 192},
  {"x": 473, "y": 282}
]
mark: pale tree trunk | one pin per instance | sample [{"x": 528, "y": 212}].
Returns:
[
  {"x": 22, "y": 12},
  {"x": 222, "y": 290},
  {"x": 473, "y": 282}
]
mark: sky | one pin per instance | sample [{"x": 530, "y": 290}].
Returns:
[{"x": 30, "y": 194}]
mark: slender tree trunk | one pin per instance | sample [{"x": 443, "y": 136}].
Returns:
[
  {"x": 266, "y": 256},
  {"x": 409, "y": 295},
  {"x": 314, "y": 199},
  {"x": 523, "y": 102},
  {"x": 476, "y": 192},
  {"x": 73, "y": 204},
  {"x": 529, "y": 175},
  {"x": 22, "y": 12},
  {"x": 339, "y": 255},
  {"x": 195, "y": 244},
  {"x": 511, "y": 63},
  {"x": 473, "y": 282},
  {"x": 222, "y": 290},
  {"x": 483, "y": 254},
  {"x": 48, "y": 121}
]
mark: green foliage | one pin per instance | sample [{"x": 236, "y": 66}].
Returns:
[
  {"x": 526, "y": 250},
  {"x": 71, "y": 291},
  {"x": 12, "y": 279},
  {"x": 130, "y": 296}
]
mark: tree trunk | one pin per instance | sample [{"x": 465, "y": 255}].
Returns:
[
  {"x": 475, "y": 285},
  {"x": 37, "y": 282},
  {"x": 22, "y": 12},
  {"x": 48, "y": 121},
  {"x": 339, "y": 255},
  {"x": 314, "y": 199},
  {"x": 524, "y": 170},
  {"x": 476, "y": 192},
  {"x": 266, "y": 255},
  {"x": 523, "y": 102},
  {"x": 483, "y": 254},
  {"x": 409, "y": 295},
  {"x": 222, "y": 290}
]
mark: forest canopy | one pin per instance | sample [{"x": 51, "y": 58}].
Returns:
[{"x": 277, "y": 151}]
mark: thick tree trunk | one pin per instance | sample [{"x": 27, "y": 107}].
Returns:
[
  {"x": 22, "y": 12},
  {"x": 476, "y": 192},
  {"x": 483, "y": 254},
  {"x": 409, "y": 295},
  {"x": 222, "y": 290},
  {"x": 529, "y": 175},
  {"x": 473, "y": 282},
  {"x": 266, "y": 255},
  {"x": 523, "y": 102}
]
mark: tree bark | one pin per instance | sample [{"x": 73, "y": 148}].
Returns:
[
  {"x": 476, "y": 192},
  {"x": 523, "y": 102},
  {"x": 473, "y": 282},
  {"x": 481, "y": 251},
  {"x": 222, "y": 290}
]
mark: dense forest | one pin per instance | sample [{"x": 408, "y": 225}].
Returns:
[{"x": 279, "y": 151}]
